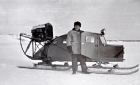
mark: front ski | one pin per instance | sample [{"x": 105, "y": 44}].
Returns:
[
  {"x": 116, "y": 71},
  {"x": 125, "y": 68}
]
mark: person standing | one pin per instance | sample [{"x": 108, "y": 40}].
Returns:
[{"x": 74, "y": 47}]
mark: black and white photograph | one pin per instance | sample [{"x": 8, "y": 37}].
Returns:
[{"x": 69, "y": 42}]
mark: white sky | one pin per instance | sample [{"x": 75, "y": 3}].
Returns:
[{"x": 121, "y": 18}]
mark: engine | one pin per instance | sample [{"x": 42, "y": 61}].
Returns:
[{"x": 41, "y": 33}]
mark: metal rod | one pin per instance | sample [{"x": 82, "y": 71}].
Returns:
[{"x": 32, "y": 48}]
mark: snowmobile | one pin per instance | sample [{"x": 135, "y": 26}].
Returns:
[{"x": 42, "y": 46}]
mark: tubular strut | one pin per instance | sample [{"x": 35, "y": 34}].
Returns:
[{"x": 27, "y": 48}]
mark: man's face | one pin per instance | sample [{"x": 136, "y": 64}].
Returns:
[{"x": 77, "y": 27}]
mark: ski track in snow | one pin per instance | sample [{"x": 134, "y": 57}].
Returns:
[{"x": 12, "y": 56}]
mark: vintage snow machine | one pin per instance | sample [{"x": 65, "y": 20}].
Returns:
[{"x": 41, "y": 45}]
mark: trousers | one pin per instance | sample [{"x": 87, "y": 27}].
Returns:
[{"x": 81, "y": 59}]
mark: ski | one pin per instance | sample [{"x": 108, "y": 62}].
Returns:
[
  {"x": 114, "y": 72},
  {"x": 127, "y": 68},
  {"x": 96, "y": 70},
  {"x": 53, "y": 67}
]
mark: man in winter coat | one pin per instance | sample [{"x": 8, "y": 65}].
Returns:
[{"x": 74, "y": 47}]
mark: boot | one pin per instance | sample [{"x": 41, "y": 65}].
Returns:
[
  {"x": 85, "y": 72},
  {"x": 74, "y": 72}
]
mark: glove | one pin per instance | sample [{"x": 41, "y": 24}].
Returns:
[{"x": 69, "y": 48}]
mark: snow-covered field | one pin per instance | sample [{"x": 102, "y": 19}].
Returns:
[{"x": 12, "y": 56}]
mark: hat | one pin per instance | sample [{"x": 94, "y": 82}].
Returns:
[{"x": 77, "y": 23}]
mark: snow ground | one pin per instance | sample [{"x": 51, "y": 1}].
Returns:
[{"x": 11, "y": 56}]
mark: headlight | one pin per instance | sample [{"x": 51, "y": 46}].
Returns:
[{"x": 103, "y": 31}]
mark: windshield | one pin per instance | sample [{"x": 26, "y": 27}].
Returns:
[{"x": 103, "y": 40}]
